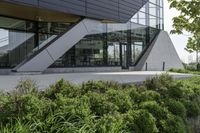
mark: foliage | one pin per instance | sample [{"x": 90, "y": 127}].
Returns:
[
  {"x": 140, "y": 121},
  {"x": 160, "y": 104},
  {"x": 188, "y": 20},
  {"x": 176, "y": 107},
  {"x": 187, "y": 71}
]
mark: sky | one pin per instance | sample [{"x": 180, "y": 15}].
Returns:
[{"x": 179, "y": 41}]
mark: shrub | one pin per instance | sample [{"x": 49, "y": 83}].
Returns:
[
  {"x": 192, "y": 109},
  {"x": 62, "y": 87},
  {"x": 173, "y": 124},
  {"x": 159, "y": 112},
  {"x": 155, "y": 109},
  {"x": 94, "y": 86},
  {"x": 99, "y": 104},
  {"x": 27, "y": 86},
  {"x": 160, "y": 84},
  {"x": 149, "y": 95},
  {"x": 176, "y": 91},
  {"x": 161, "y": 104},
  {"x": 121, "y": 99},
  {"x": 176, "y": 107},
  {"x": 140, "y": 121},
  {"x": 110, "y": 124}
]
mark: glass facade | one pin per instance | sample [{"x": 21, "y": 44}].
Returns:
[
  {"x": 22, "y": 38},
  {"x": 151, "y": 14},
  {"x": 118, "y": 44}
]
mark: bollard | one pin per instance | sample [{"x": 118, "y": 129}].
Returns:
[
  {"x": 146, "y": 66},
  {"x": 163, "y": 66}
]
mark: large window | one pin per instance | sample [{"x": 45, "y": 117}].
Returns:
[
  {"x": 136, "y": 50},
  {"x": 20, "y": 39},
  {"x": 106, "y": 48},
  {"x": 113, "y": 53},
  {"x": 117, "y": 34},
  {"x": 151, "y": 14},
  {"x": 89, "y": 51}
]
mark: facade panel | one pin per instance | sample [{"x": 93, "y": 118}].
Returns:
[
  {"x": 24, "y": 2},
  {"x": 115, "y": 10}
]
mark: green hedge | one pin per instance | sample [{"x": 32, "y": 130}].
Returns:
[
  {"x": 160, "y": 104},
  {"x": 187, "y": 71}
]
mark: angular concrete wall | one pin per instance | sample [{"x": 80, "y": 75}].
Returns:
[{"x": 160, "y": 54}]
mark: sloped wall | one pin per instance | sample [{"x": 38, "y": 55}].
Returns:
[{"x": 161, "y": 54}]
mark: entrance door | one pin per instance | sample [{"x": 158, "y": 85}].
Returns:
[{"x": 123, "y": 55}]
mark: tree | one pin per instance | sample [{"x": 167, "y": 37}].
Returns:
[{"x": 188, "y": 20}]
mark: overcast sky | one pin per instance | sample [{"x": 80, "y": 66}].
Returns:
[{"x": 179, "y": 41}]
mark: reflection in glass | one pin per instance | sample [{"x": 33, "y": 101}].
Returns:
[
  {"x": 152, "y": 21},
  {"x": 138, "y": 50},
  {"x": 150, "y": 14},
  {"x": 114, "y": 53},
  {"x": 142, "y": 19},
  {"x": 20, "y": 40},
  {"x": 153, "y": 1},
  {"x": 152, "y": 9},
  {"x": 89, "y": 51},
  {"x": 24, "y": 38},
  {"x": 117, "y": 34}
]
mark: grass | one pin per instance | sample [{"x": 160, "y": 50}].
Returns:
[{"x": 184, "y": 71}]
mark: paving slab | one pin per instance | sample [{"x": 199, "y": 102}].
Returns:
[{"x": 9, "y": 82}]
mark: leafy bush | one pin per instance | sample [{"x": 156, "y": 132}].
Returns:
[
  {"x": 121, "y": 99},
  {"x": 155, "y": 109},
  {"x": 160, "y": 84},
  {"x": 192, "y": 109},
  {"x": 176, "y": 107},
  {"x": 188, "y": 70},
  {"x": 161, "y": 104},
  {"x": 99, "y": 105},
  {"x": 173, "y": 124},
  {"x": 110, "y": 123},
  {"x": 140, "y": 121}
]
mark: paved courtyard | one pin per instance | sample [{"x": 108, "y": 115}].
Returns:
[{"x": 8, "y": 82}]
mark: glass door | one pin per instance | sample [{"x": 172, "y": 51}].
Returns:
[{"x": 123, "y": 55}]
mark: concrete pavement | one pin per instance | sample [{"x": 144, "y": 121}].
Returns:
[{"x": 9, "y": 82}]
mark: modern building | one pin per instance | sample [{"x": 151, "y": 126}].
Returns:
[{"x": 84, "y": 35}]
